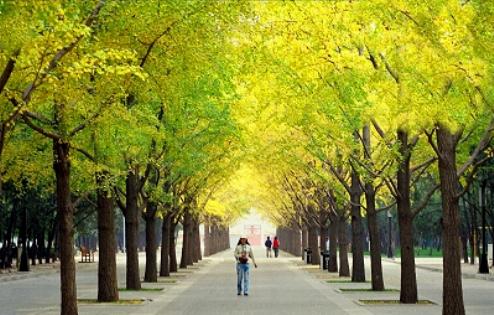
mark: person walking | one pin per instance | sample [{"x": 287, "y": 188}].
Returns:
[
  {"x": 276, "y": 246},
  {"x": 268, "y": 244},
  {"x": 243, "y": 253}
]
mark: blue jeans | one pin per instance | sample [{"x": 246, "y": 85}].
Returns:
[{"x": 242, "y": 278}]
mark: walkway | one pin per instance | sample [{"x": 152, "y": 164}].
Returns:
[{"x": 279, "y": 286}]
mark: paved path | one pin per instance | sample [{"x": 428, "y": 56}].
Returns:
[{"x": 279, "y": 286}]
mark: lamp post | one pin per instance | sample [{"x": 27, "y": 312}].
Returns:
[
  {"x": 390, "y": 248},
  {"x": 483, "y": 265}
]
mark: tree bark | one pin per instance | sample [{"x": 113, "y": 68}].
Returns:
[
  {"x": 314, "y": 244},
  {"x": 184, "y": 261},
  {"x": 358, "y": 268},
  {"x": 305, "y": 239},
  {"x": 452, "y": 282},
  {"x": 151, "y": 271},
  {"x": 51, "y": 237},
  {"x": 343, "y": 247},
  {"x": 408, "y": 292},
  {"x": 107, "y": 265},
  {"x": 197, "y": 241},
  {"x": 193, "y": 247},
  {"x": 370, "y": 198},
  {"x": 173, "y": 245},
  {"x": 207, "y": 238},
  {"x": 165, "y": 246},
  {"x": 7, "y": 243},
  {"x": 131, "y": 213},
  {"x": 41, "y": 243},
  {"x": 333, "y": 246},
  {"x": 190, "y": 246},
  {"x": 375, "y": 242},
  {"x": 61, "y": 165}
]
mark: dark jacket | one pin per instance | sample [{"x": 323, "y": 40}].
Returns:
[{"x": 268, "y": 243}]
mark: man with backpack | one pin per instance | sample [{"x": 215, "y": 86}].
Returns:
[{"x": 268, "y": 244}]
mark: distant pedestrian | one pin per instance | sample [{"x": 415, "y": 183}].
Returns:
[
  {"x": 276, "y": 246},
  {"x": 243, "y": 252},
  {"x": 268, "y": 244}
]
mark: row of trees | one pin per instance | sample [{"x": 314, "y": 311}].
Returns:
[
  {"x": 135, "y": 115},
  {"x": 377, "y": 105},
  {"x": 344, "y": 108}
]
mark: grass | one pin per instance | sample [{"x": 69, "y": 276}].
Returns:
[
  {"x": 142, "y": 289},
  {"x": 119, "y": 302},
  {"x": 393, "y": 302},
  {"x": 365, "y": 290}
]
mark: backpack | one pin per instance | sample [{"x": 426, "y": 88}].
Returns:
[{"x": 268, "y": 243}]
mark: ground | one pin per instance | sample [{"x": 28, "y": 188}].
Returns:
[{"x": 279, "y": 286}]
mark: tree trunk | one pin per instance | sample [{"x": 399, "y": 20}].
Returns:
[
  {"x": 358, "y": 268},
  {"x": 184, "y": 261},
  {"x": 375, "y": 242},
  {"x": 61, "y": 165},
  {"x": 370, "y": 198},
  {"x": 107, "y": 265},
  {"x": 472, "y": 246},
  {"x": 464, "y": 247},
  {"x": 34, "y": 250},
  {"x": 197, "y": 241},
  {"x": 173, "y": 250},
  {"x": 7, "y": 242},
  {"x": 24, "y": 263},
  {"x": 305, "y": 241},
  {"x": 343, "y": 247},
  {"x": 452, "y": 283},
  {"x": 333, "y": 246},
  {"x": 408, "y": 292},
  {"x": 131, "y": 213},
  {"x": 151, "y": 271},
  {"x": 165, "y": 246},
  {"x": 190, "y": 246},
  {"x": 41, "y": 243},
  {"x": 314, "y": 245},
  {"x": 207, "y": 238},
  {"x": 51, "y": 237},
  {"x": 194, "y": 229},
  {"x": 214, "y": 239}
]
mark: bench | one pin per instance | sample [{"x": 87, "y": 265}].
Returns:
[{"x": 87, "y": 255}]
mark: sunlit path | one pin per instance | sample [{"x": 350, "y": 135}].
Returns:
[{"x": 277, "y": 287}]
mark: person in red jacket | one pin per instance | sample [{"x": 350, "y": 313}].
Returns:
[{"x": 276, "y": 246}]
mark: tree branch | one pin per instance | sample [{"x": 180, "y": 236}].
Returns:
[
  {"x": 7, "y": 71},
  {"x": 425, "y": 200},
  {"x": 40, "y": 130}
]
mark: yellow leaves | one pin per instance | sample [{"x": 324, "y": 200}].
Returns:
[
  {"x": 107, "y": 62},
  {"x": 452, "y": 24},
  {"x": 215, "y": 208}
]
